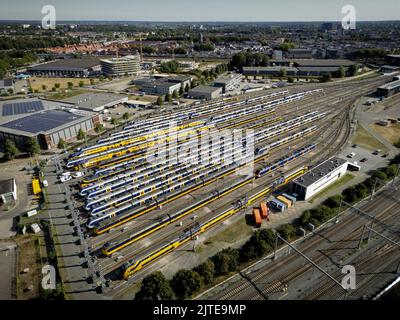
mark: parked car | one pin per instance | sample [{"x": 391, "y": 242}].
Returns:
[
  {"x": 65, "y": 178},
  {"x": 364, "y": 160},
  {"x": 376, "y": 152},
  {"x": 78, "y": 174}
]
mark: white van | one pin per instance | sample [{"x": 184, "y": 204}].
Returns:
[{"x": 351, "y": 155}]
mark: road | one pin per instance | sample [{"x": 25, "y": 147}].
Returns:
[{"x": 290, "y": 276}]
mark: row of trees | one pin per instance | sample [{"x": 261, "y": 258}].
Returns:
[
  {"x": 11, "y": 151},
  {"x": 248, "y": 59},
  {"x": 208, "y": 46},
  {"x": 28, "y": 43},
  {"x": 186, "y": 283}
]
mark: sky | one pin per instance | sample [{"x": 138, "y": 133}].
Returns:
[{"x": 201, "y": 10}]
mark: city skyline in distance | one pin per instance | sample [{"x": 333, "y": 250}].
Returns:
[{"x": 203, "y": 11}]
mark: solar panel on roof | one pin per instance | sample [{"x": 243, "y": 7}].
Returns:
[
  {"x": 41, "y": 122},
  {"x": 11, "y": 109}
]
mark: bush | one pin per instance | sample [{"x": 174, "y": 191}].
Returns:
[
  {"x": 333, "y": 202},
  {"x": 186, "y": 282},
  {"x": 225, "y": 261},
  {"x": 206, "y": 270},
  {"x": 154, "y": 287}
]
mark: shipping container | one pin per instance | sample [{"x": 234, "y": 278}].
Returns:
[
  {"x": 257, "y": 217},
  {"x": 264, "y": 210},
  {"x": 278, "y": 205},
  {"x": 289, "y": 197},
  {"x": 287, "y": 202}
]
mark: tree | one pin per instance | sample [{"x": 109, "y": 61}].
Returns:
[
  {"x": 175, "y": 94},
  {"x": 282, "y": 73},
  {"x": 32, "y": 146},
  {"x": 326, "y": 77},
  {"x": 206, "y": 270},
  {"x": 114, "y": 122},
  {"x": 99, "y": 128},
  {"x": 81, "y": 83},
  {"x": 154, "y": 287},
  {"x": 91, "y": 82},
  {"x": 333, "y": 202},
  {"x": 57, "y": 85},
  {"x": 353, "y": 70},
  {"x": 186, "y": 282},
  {"x": 187, "y": 88},
  {"x": 10, "y": 150},
  {"x": 341, "y": 72},
  {"x": 126, "y": 116},
  {"x": 61, "y": 144},
  {"x": 168, "y": 97},
  {"x": 70, "y": 84},
  {"x": 81, "y": 135},
  {"x": 160, "y": 101},
  {"x": 181, "y": 90},
  {"x": 290, "y": 80},
  {"x": 44, "y": 87},
  {"x": 225, "y": 261}
]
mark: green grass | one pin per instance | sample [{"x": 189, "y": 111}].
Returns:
[
  {"x": 364, "y": 139},
  {"x": 230, "y": 233},
  {"x": 66, "y": 95},
  {"x": 343, "y": 180}
]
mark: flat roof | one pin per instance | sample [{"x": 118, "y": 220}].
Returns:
[
  {"x": 42, "y": 122},
  {"x": 323, "y": 62},
  {"x": 271, "y": 68},
  {"x": 227, "y": 78},
  {"x": 390, "y": 85},
  {"x": 93, "y": 100},
  {"x": 14, "y": 108},
  {"x": 319, "y": 172},
  {"x": 4, "y": 83},
  {"x": 67, "y": 64},
  {"x": 321, "y": 68},
  {"x": 7, "y": 186},
  {"x": 205, "y": 89}
]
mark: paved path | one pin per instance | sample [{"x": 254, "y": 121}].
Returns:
[
  {"x": 71, "y": 268},
  {"x": 7, "y": 269}
]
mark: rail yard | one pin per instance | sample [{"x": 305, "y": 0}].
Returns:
[{"x": 164, "y": 182}]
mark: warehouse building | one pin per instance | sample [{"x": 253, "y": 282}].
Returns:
[
  {"x": 96, "y": 101},
  {"x": 8, "y": 191},
  {"x": 299, "y": 54},
  {"x": 46, "y": 121},
  {"x": 319, "y": 67},
  {"x": 119, "y": 67},
  {"x": 274, "y": 71},
  {"x": 205, "y": 92},
  {"x": 229, "y": 82},
  {"x": 67, "y": 68},
  {"x": 163, "y": 85},
  {"x": 320, "y": 177},
  {"x": 389, "y": 89}
]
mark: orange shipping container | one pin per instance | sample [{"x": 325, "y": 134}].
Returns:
[
  {"x": 285, "y": 201},
  {"x": 264, "y": 210},
  {"x": 257, "y": 217}
]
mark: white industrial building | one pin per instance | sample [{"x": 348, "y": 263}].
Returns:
[
  {"x": 8, "y": 190},
  {"x": 319, "y": 178}
]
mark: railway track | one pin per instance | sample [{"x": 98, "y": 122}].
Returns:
[{"x": 315, "y": 242}]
